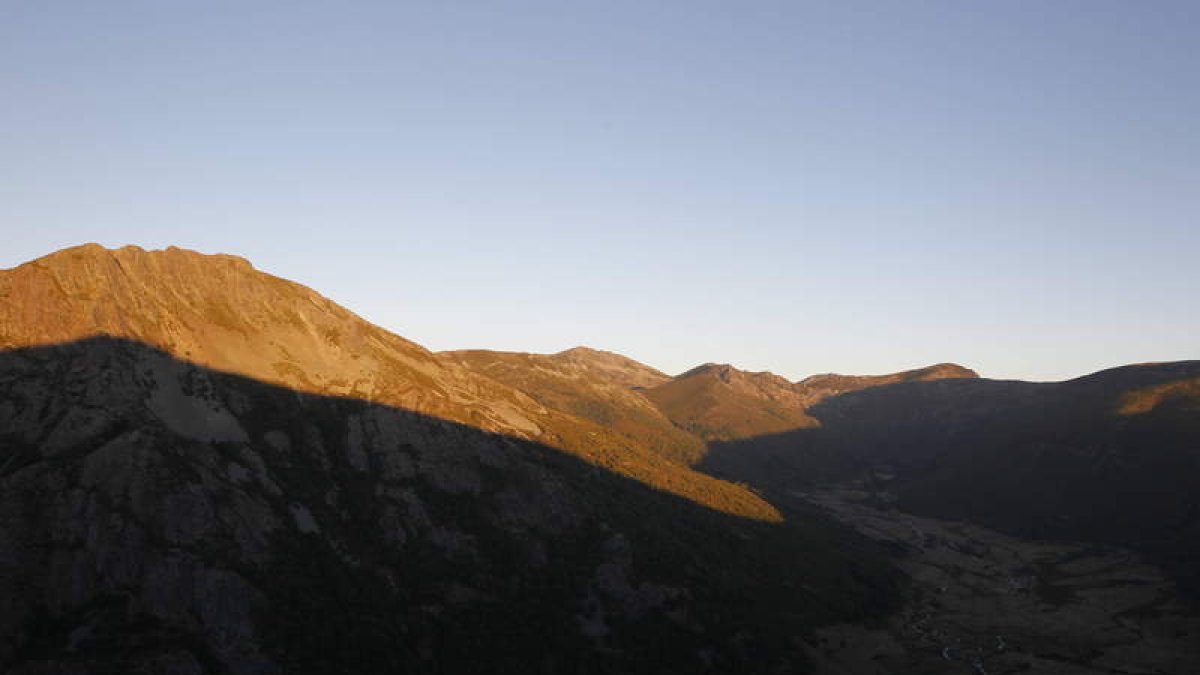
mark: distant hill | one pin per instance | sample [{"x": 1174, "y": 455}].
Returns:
[
  {"x": 718, "y": 402},
  {"x": 818, "y": 387},
  {"x": 597, "y": 386},
  {"x": 220, "y": 313},
  {"x": 675, "y": 417},
  {"x": 1111, "y": 457}
]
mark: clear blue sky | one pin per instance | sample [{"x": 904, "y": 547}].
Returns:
[{"x": 800, "y": 187}]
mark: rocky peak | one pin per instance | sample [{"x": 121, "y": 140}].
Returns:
[{"x": 218, "y": 312}]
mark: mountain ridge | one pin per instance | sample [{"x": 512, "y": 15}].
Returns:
[
  {"x": 206, "y": 469},
  {"x": 601, "y": 387},
  {"x": 1107, "y": 457},
  {"x": 221, "y": 313}
]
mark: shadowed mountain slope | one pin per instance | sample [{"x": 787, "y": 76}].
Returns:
[
  {"x": 1112, "y": 457},
  {"x": 718, "y": 402},
  {"x": 594, "y": 385},
  {"x": 205, "y": 469},
  {"x": 160, "y": 517},
  {"x": 818, "y": 387},
  {"x": 219, "y": 312}
]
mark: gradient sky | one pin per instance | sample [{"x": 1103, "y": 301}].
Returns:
[{"x": 801, "y": 187}]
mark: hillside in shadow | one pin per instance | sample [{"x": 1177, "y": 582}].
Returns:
[
  {"x": 219, "y": 312},
  {"x": 1112, "y": 458},
  {"x": 157, "y": 516}
]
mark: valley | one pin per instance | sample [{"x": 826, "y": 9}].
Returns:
[
  {"x": 209, "y": 470},
  {"x": 985, "y": 603}
]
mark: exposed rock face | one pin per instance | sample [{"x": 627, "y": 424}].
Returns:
[
  {"x": 159, "y": 517},
  {"x": 132, "y": 496},
  {"x": 220, "y": 313}
]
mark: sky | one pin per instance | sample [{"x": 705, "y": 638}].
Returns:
[{"x": 801, "y": 187}]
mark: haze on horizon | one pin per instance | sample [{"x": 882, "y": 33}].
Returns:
[{"x": 849, "y": 187}]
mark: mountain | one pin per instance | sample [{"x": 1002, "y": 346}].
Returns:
[
  {"x": 818, "y": 387},
  {"x": 160, "y": 517},
  {"x": 221, "y": 313},
  {"x": 675, "y": 417},
  {"x": 601, "y": 387},
  {"x": 1109, "y": 458},
  {"x": 718, "y": 402},
  {"x": 205, "y": 469}
]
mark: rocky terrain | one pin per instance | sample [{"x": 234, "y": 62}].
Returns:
[
  {"x": 164, "y": 512},
  {"x": 160, "y": 517},
  {"x": 221, "y": 313},
  {"x": 205, "y": 469}
]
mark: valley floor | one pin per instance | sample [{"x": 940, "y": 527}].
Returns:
[{"x": 985, "y": 603}]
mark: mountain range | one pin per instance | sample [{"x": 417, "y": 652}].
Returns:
[{"x": 208, "y": 469}]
